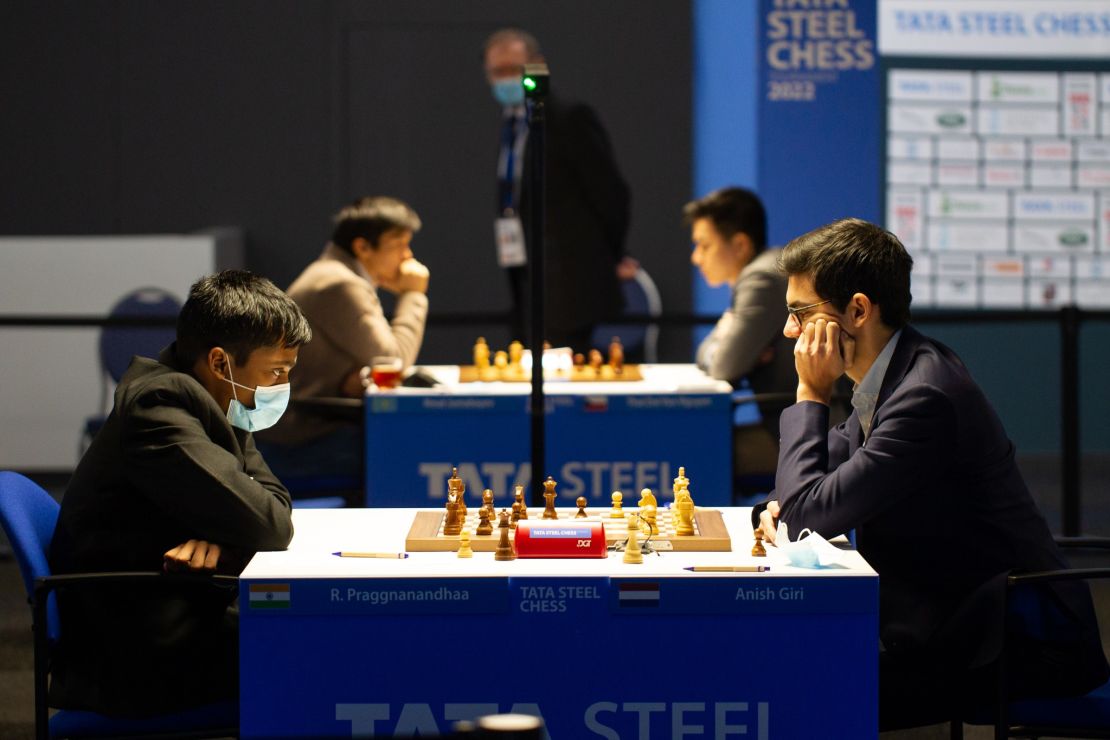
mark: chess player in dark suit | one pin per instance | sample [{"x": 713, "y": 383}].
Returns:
[
  {"x": 729, "y": 230},
  {"x": 587, "y": 203},
  {"x": 925, "y": 474},
  {"x": 173, "y": 481}
]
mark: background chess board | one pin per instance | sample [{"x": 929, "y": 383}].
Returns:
[
  {"x": 710, "y": 534},
  {"x": 629, "y": 373}
]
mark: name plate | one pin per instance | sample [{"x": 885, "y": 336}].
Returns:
[{"x": 537, "y": 538}]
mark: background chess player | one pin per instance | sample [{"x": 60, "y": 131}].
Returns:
[
  {"x": 370, "y": 249},
  {"x": 173, "y": 480},
  {"x": 729, "y": 230},
  {"x": 925, "y": 474}
]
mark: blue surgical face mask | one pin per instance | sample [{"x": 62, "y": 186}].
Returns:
[
  {"x": 508, "y": 91},
  {"x": 269, "y": 404}
]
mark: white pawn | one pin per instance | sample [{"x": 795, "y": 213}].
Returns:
[
  {"x": 617, "y": 512},
  {"x": 632, "y": 552},
  {"x": 464, "y": 545}
]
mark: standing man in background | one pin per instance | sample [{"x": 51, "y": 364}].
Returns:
[
  {"x": 729, "y": 231},
  {"x": 587, "y": 204}
]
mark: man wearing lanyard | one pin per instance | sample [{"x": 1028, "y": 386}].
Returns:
[{"x": 586, "y": 199}]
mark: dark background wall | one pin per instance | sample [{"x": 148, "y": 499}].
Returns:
[{"x": 134, "y": 117}]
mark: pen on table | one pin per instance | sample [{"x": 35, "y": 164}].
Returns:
[
  {"x": 728, "y": 568},
  {"x": 383, "y": 555}
]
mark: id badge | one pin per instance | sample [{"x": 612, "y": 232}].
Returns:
[{"x": 510, "y": 241}]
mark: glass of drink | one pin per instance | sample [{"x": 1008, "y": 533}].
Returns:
[{"x": 386, "y": 371}]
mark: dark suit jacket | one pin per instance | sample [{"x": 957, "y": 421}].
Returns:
[
  {"x": 166, "y": 467},
  {"x": 940, "y": 508},
  {"x": 585, "y": 220}
]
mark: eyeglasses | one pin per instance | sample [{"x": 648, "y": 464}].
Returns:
[{"x": 796, "y": 313}]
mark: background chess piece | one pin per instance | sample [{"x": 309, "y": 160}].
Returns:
[
  {"x": 516, "y": 515},
  {"x": 485, "y": 526},
  {"x": 632, "y": 552},
  {"x": 549, "y": 499},
  {"x": 487, "y": 504},
  {"x": 505, "y": 549},
  {"x": 647, "y": 513},
  {"x": 481, "y": 354},
  {"x": 595, "y": 361},
  {"x": 581, "y": 501},
  {"x": 465, "y": 550},
  {"x": 617, "y": 512},
  {"x": 758, "y": 550},
  {"x": 647, "y": 498},
  {"x": 616, "y": 355},
  {"x": 518, "y": 496},
  {"x": 684, "y": 527},
  {"x": 501, "y": 363}
]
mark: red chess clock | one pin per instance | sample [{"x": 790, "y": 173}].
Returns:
[{"x": 560, "y": 539}]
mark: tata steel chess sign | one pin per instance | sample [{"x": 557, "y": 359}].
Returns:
[{"x": 596, "y": 444}]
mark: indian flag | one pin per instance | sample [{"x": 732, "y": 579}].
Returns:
[{"x": 269, "y": 595}]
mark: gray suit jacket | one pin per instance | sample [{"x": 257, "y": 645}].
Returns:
[
  {"x": 349, "y": 328},
  {"x": 747, "y": 341}
]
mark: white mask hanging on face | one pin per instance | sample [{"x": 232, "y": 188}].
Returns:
[{"x": 270, "y": 402}]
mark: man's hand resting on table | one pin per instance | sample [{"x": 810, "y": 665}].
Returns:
[
  {"x": 194, "y": 556},
  {"x": 769, "y": 521}
]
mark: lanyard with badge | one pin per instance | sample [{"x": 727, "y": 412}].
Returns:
[{"x": 507, "y": 228}]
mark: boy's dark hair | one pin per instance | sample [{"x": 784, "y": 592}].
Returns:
[
  {"x": 853, "y": 256},
  {"x": 370, "y": 218},
  {"x": 732, "y": 211},
  {"x": 240, "y": 312}
]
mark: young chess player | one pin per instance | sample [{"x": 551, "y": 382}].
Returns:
[
  {"x": 370, "y": 248},
  {"x": 924, "y": 473},
  {"x": 173, "y": 481}
]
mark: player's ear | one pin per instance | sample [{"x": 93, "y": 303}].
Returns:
[
  {"x": 860, "y": 309},
  {"x": 742, "y": 244},
  {"x": 217, "y": 361},
  {"x": 361, "y": 246}
]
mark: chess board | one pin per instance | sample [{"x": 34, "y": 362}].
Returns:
[
  {"x": 710, "y": 534},
  {"x": 629, "y": 373}
]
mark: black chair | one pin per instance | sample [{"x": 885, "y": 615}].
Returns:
[
  {"x": 118, "y": 344},
  {"x": 1086, "y": 716},
  {"x": 29, "y": 515}
]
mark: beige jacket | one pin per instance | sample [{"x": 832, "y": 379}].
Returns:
[{"x": 349, "y": 327}]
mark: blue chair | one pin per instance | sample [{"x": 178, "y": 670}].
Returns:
[
  {"x": 118, "y": 344},
  {"x": 1086, "y": 716},
  {"x": 29, "y": 515},
  {"x": 641, "y": 298}
]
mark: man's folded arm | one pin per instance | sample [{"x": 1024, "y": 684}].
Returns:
[{"x": 173, "y": 461}]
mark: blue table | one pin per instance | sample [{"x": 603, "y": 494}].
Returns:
[
  {"x": 354, "y": 647},
  {"x": 601, "y": 437}
]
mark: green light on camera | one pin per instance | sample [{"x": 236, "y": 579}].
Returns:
[{"x": 529, "y": 83}]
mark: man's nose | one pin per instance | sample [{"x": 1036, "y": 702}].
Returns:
[
  {"x": 790, "y": 329},
  {"x": 695, "y": 258}
]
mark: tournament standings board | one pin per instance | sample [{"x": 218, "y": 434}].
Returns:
[{"x": 997, "y": 170}]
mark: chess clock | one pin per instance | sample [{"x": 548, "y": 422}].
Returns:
[{"x": 538, "y": 538}]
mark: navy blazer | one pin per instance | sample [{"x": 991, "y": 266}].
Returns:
[{"x": 940, "y": 508}]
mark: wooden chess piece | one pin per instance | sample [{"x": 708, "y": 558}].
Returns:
[
  {"x": 581, "y": 501},
  {"x": 549, "y": 499},
  {"x": 505, "y": 549},
  {"x": 484, "y": 525},
  {"x": 465, "y": 551},
  {"x": 516, "y": 515},
  {"x": 518, "y": 495},
  {"x": 481, "y": 354},
  {"x": 647, "y": 498},
  {"x": 616, "y": 355},
  {"x": 516, "y": 354},
  {"x": 632, "y": 552},
  {"x": 647, "y": 513},
  {"x": 684, "y": 527},
  {"x": 579, "y": 360},
  {"x": 452, "y": 525},
  {"x": 595, "y": 361},
  {"x": 758, "y": 550},
  {"x": 487, "y": 504},
  {"x": 501, "y": 363},
  {"x": 617, "y": 512}
]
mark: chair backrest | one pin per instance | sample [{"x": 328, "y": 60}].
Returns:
[
  {"x": 29, "y": 515},
  {"x": 641, "y": 298},
  {"x": 119, "y": 343}
]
